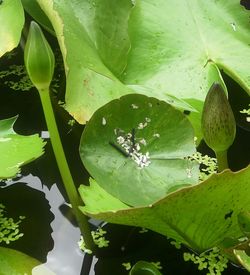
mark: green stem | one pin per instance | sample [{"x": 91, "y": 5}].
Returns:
[
  {"x": 64, "y": 169},
  {"x": 222, "y": 160}
]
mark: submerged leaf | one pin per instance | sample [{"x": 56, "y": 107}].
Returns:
[{"x": 16, "y": 150}]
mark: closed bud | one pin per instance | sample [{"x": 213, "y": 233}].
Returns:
[
  {"x": 38, "y": 58},
  {"x": 218, "y": 123}
]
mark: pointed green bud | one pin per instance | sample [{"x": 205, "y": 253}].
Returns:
[
  {"x": 218, "y": 123},
  {"x": 38, "y": 58}
]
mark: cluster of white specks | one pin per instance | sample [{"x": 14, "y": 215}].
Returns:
[
  {"x": 142, "y": 125},
  {"x": 120, "y": 140},
  {"x": 156, "y": 135},
  {"x": 104, "y": 122},
  {"x": 134, "y": 106},
  {"x": 132, "y": 148}
]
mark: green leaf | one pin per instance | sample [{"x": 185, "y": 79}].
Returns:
[
  {"x": 34, "y": 10},
  {"x": 165, "y": 48},
  {"x": 200, "y": 216},
  {"x": 179, "y": 47},
  {"x": 16, "y": 150},
  {"x": 94, "y": 193},
  {"x": 11, "y": 24},
  {"x": 15, "y": 263},
  {"x": 243, "y": 258},
  {"x": 82, "y": 29},
  {"x": 244, "y": 223},
  {"x": 144, "y": 268},
  {"x": 165, "y": 138}
]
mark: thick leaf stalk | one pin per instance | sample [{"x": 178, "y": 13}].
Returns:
[
  {"x": 39, "y": 61},
  {"x": 218, "y": 124}
]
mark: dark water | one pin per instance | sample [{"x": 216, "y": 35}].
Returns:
[{"x": 50, "y": 234}]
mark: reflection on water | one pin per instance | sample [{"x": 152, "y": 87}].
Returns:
[{"x": 46, "y": 230}]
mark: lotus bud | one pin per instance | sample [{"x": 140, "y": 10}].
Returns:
[
  {"x": 38, "y": 58},
  {"x": 218, "y": 123}
]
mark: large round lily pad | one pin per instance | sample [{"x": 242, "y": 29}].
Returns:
[{"x": 135, "y": 147}]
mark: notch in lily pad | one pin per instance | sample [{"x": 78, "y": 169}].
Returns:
[
  {"x": 218, "y": 124},
  {"x": 140, "y": 154}
]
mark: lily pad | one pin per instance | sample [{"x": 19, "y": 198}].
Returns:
[
  {"x": 15, "y": 262},
  {"x": 164, "y": 48},
  {"x": 16, "y": 150},
  {"x": 11, "y": 24},
  {"x": 34, "y": 10},
  {"x": 82, "y": 29},
  {"x": 199, "y": 216},
  {"x": 243, "y": 258},
  {"x": 135, "y": 147}
]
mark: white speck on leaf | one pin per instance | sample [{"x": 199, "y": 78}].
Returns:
[
  {"x": 148, "y": 119},
  {"x": 104, "y": 122},
  {"x": 143, "y": 142},
  {"x": 142, "y": 125},
  {"x": 156, "y": 135},
  {"x": 189, "y": 173},
  {"x": 134, "y": 106},
  {"x": 233, "y": 26}
]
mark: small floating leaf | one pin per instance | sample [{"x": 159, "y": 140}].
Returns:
[
  {"x": 139, "y": 156},
  {"x": 16, "y": 150}
]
